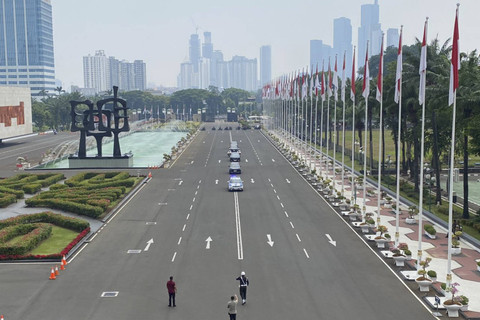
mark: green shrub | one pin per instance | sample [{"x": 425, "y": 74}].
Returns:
[
  {"x": 58, "y": 186},
  {"x": 6, "y": 199},
  {"x": 33, "y": 234},
  {"x": 432, "y": 273},
  {"x": 18, "y": 193},
  {"x": 32, "y": 188},
  {"x": 430, "y": 229}
]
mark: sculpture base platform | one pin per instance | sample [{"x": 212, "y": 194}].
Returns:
[{"x": 125, "y": 161}]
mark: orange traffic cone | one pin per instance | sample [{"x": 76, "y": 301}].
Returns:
[
  {"x": 62, "y": 266},
  {"x": 64, "y": 261},
  {"x": 56, "y": 271},
  {"x": 150, "y": 174},
  {"x": 1, "y": 317},
  {"x": 52, "y": 275}
]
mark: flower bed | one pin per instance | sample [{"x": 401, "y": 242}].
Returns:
[{"x": 35, "y": 228}]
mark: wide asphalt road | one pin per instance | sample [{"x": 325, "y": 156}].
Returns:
[{"x": 275, "y": 230}]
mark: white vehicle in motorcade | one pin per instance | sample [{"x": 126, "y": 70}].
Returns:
[
  {"x": 235, "y": 184},
  {"x": 234, "y": 168},
  {"x": 233, "y": 149},
  {"x": 235, "y": 157}
]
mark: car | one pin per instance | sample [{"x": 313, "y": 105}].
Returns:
[
  {"x": 213, "y": 128},
  {"x": 234, "y": 168},
  {"x": 238, "y": 128},
  {"x": 202, "y": 129},
  {"x": 235, "y": 157},
  {"x": 232, "y": 150},
  {"x": 258, "y": 127},
  {"x": 220, "y": 128},
  {"x": 235, "y": 184}
]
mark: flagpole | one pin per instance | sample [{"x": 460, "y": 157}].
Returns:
[
  {"x": 366, "y": 88},
  {"x": 311, "y": 117},
  {"x": 399, "y": 84},
  {"x": 335, "y": 88},
  {"x": 379, "y": 191},
  {"x": 422, "y": 148},
  {"x": 327, "y": 125},
  {"x": 343, "y": 127},
  {"x": 454, "y": 86},
  {"x": 352, "y": 93},
  {"x": 321, "y": 117}
]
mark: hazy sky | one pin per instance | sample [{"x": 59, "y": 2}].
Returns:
[{"x": 157, "y": 31}]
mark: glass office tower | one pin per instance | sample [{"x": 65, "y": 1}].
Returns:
[{"x": 26, "y": 45}]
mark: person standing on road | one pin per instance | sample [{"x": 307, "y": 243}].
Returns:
[
  {"x": 232, "y": 307},
  {"x": 243, "y": 286},
  {"x": 172, "y": 290}
]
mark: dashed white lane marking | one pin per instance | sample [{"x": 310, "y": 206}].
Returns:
[
  {"x": 191, "y": 206},
  {"x": 292, "y": 225},
  {"x": 188, "y": 216},
  {"x": 184, "y": 226},
  {"x": 286, "y": 214},
  {"x": 174, "y": 255},
  {"x": 278, "y": 197},
  {"x": 269, "y": 180},
  {"x": 196, "y": 192},
  {"x": 179, "y": 240},
  {"x": 306, "y": 253},
  {"x": 282, "y": 205},
  {"x": 298, "y": 237},
  {"x": 275, "y": 191},
  {"x": 193, "y": 199},
  {"x": 271, "y": 185}
]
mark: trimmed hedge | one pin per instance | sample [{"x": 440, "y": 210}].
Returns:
[
  {"x": 79, "y": 208},
  {"x": 32, "y": 188},
  {"x": 18, "y": 193},
  {"x": 32, "y": 234},
  {"x": 36, "y": 228},
  {"x": 6, "y": 199}
]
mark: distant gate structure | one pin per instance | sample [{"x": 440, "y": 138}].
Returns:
[{"x": 97, "y": 122}]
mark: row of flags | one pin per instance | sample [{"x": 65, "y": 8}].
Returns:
[{"x": 296, "y": 86}]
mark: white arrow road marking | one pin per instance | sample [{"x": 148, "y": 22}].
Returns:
[
  {"x": 288, "y": 181},
  {"x": 191, "y": 162},
  {"x": 273, "y": 160},
  {"x": 330, "y": 240},
  {"x": 209, "y": 239},
  {"x": 149, "y": 243},
  {"x": 270, "y": 242},
  {"x": 253, "y": 181},
  {"x": 246, "y": 160},
  {"x": 180, "y": 182},
  {"x": 219, "y": 161},
  {"x": 216, "y": 181}
]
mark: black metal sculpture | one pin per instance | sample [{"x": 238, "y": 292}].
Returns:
[{"x": 98, "y": 122}]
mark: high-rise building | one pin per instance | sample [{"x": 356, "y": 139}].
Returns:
[
  {"x": 319, "y": 54},
  {"x": 265, "y": 64},
  {"x": 369, "y": 31},
  {"x": 194, "y": 51},
  {"x": 212, "y": 70},
  {"x": 102, "y": 73},
  {"x": 342, "y": 43},
  {"x": 392, "y": 37},
  {"x": 207, "y": 46},
  {"x": 26, "y": 45}
]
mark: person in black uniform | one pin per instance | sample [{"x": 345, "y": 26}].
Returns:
[{"x": 243, "y": 286}]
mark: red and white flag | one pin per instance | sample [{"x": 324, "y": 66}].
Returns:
[
  {"x": 343, "y": 78},
  {"x": 380, "y": 76},
  {"x": 312, "y": 83},
  {"x": 317, "y": 82},
  {"x": 398, "y": 77},
  {"x": 455, "y": 63},
  {"x": 330, "y": 84},
  {"x": 304, "y": 85},
  {"x": 335, "y": 81},
  {"x": 366, "y": 78},
  {"x": 422, "y": 70},
  {"x": 322, "y": 91},
  {"x": 352, "y": 88}
]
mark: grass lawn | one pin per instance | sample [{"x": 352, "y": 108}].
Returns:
[{"x": 59, "y": 239}]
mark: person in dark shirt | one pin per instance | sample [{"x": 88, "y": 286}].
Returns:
[
  {"x": 172, "y": 289},
  {"x": 243, "y": 286}
]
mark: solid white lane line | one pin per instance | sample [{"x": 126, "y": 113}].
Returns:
[
  {"x": 174, "y": 255},
  {"x": 306, "y": 253},
  {"x": 184, "y": 226},
  {"x": 292, "y": 225},
  {"x": 298, "y": 237},
  {"x": 188, "y": 216},
  {"x": 286, "y": 214},
  {"x": 179, "y": 240},
  {"x": 238, "y": 227}
]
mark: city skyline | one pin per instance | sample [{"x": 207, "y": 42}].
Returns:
[{"x": 159, "y": 35}]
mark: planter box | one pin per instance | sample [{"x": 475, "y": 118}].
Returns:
[
  {"x": 456, "y": 251},
  {"x": 400, "y": 260},
  {"x": 388, "y": 206},
  {"x": 424, "y": 285},
  {"x": 452, "y": 310},
  {"x": 381, "y": 242},
  {"x": 431, "y": 236},
  {"x": 410, "y": 221}
]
